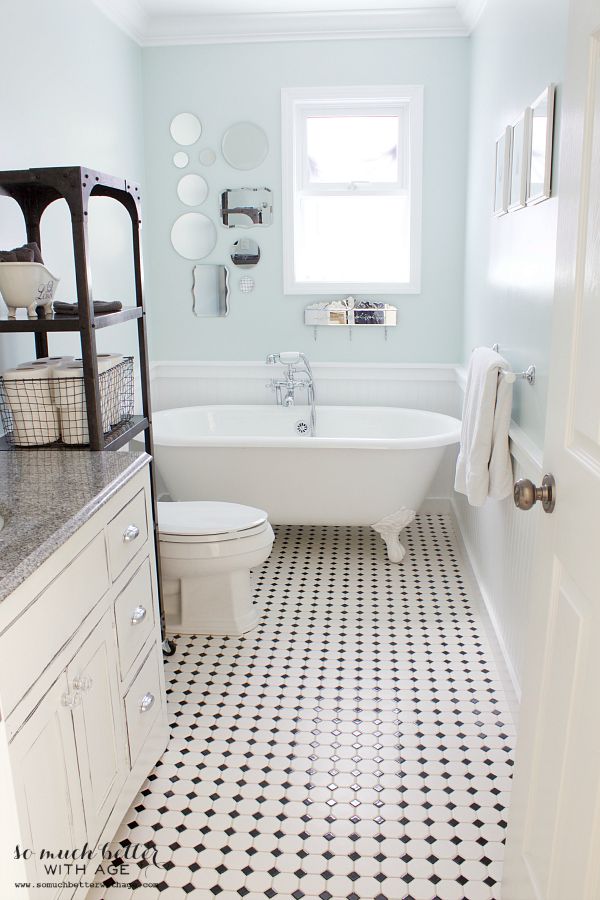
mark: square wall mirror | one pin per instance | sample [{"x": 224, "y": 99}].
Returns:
[{"x": 246, "y": 207}]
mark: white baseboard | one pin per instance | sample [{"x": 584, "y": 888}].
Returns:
[
  {"x": 506, "y": 669},
  {"x": 436, "y": 505}
]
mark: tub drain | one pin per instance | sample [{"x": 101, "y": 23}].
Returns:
[{"x": 301, "y": 427}]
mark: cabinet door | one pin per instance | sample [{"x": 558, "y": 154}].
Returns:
[
  {"x": 47, "y": 789},
  {"x": 99, "y": 725}
]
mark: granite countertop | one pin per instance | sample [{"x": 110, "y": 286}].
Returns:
[{"x": 46, "y": 495}]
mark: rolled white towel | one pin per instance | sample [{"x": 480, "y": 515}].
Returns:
[{"x": 29, "y": 396}]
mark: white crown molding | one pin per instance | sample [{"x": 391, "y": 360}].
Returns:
[
  {"x": 380, "y": 24},
  {"x": 157, "y": 30},
  {"x": 470, "y": 11},
  {"x": 128, "y": 15}
]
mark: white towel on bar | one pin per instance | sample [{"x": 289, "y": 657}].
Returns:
[{"x": 483, "y": 468}]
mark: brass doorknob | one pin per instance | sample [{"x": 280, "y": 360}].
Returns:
[{"x": 526, "y": 494}]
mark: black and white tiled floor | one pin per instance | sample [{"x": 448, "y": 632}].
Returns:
[{"x": 356, "y": 745}]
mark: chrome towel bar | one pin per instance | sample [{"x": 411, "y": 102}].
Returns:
[{"x": 528, "y": 374}]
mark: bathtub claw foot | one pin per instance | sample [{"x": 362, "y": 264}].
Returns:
[{"x": 389, "y": 529}]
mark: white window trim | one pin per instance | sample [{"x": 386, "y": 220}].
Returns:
[{"x": 292, "y": 99}]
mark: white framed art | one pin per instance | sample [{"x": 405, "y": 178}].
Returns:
[
  {"x": 540, "y": 147},
  {"x": 519, "y": 161},
  {"x": 502, "y": 177}
]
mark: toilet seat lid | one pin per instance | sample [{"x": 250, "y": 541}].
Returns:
[{"x": 207, "y": 517}]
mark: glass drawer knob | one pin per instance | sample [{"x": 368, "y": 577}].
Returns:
[
  {"x": 71, "y": 700},
  {"x": 83, "y": 683},
  {"x": 138, "y": 615},
  {"x": 130, "y": 534},
  {"x": 147, "y": 702}
]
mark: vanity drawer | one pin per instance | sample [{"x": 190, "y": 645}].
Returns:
[
  {"x": 31, "y": 642},
  {"x": 143, "y": 701},
  {"x": 134, "y": 615},
  {"x": 126, "y": 533}
]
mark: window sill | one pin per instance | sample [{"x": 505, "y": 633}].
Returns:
[{"x": 350, "y": 287}]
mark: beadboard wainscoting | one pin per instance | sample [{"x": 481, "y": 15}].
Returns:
[
  {"x": 432, "y": 387},
  {"x": 498, "y": 540},
  {"x": 499, "y": 543}
]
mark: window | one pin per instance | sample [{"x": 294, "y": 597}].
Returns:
[{"x": 352, "y": 168}]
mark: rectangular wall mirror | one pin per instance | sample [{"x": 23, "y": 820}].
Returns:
[
  {"x": 246, "y": 207},
  {"x": 210, "y": 291}
]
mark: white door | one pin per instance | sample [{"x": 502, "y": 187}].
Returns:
[
  {"x": 99, "y": 722},
  {"x": 48, "y": 792},
  {"x": 553, "y": 844}
]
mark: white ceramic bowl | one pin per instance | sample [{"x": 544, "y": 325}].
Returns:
[{"x": 27, "y": 285}]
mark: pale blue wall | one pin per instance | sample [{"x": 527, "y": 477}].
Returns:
[
  {"x": 509, "y": 278},
  {"x": 70, "y": 94},
  {"x": 75, "y": 96},
  {"x": 227, "y": 83}
]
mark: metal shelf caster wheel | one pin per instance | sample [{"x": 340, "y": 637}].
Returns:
[{"x": 168, "y": 647}]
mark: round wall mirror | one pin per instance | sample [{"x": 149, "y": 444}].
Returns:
[
  {"x": 180, "y": 159},
  {"x": 245, "y": 145},
  {"x": 207, "y": 156},
  {"x": 192, "y": 190},
  {"x": 245, "y": 253},
  {"x": 186, "y": 129},
  {"x": 193, "y": 235}
]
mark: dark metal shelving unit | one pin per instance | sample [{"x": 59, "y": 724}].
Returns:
[
  {"x": 114, "y": 439},
  {"x": 34, "y": 190},
  {"x": 56, "y": 322}
]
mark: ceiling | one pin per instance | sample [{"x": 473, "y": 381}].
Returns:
[{"x": 159, "y": 22}]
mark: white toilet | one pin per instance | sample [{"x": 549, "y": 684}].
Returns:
[{"x": 207, "y": 550}]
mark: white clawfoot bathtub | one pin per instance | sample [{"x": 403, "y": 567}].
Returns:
[{"x": 365, "y": 463}]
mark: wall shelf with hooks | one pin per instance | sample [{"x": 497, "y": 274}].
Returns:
[{"x": 350, "y": 313}]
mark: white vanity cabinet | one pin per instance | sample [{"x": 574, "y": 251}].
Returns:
[
  {"x": 82, "y": 696},
  {"x": 46, "y": 783},
  {"x": 98, "y": 723}
]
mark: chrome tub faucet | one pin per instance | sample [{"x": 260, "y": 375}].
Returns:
[{"x": 294, "y": 378}]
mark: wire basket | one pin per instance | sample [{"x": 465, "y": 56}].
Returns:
[{"x": 42, "y": 412}]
